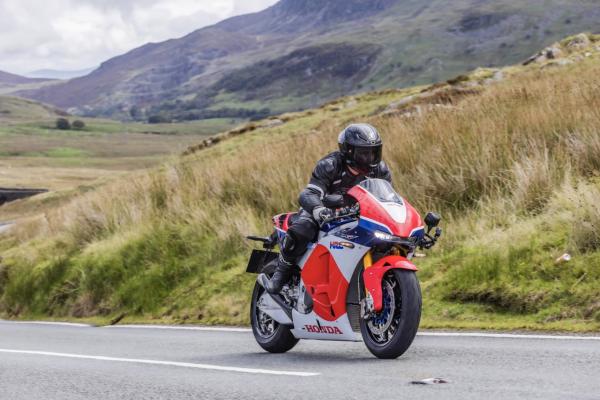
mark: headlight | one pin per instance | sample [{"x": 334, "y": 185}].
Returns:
[{"x": 384, "y": 236}]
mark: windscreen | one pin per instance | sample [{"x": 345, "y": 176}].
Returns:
[{"x": 382, "y": 190}]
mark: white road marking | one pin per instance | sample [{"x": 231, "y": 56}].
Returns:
[
  {"x": 507, "y": 336},
  {"x": 158, "y": 362},
  {"x": 183, "y": 328},
  {"x": 247, "y": 330},
  {"x": 74, "y": 324}
]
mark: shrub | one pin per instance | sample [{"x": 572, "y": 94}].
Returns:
[
  {"x": 78, "y": 125},
  {"x": 158, "y": 119},
  {"x": 63, "y": 124}
]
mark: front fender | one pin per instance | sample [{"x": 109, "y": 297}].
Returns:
[{"x": 374, "y": 274}]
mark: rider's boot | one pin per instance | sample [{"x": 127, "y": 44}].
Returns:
[{"x": 282, "y": 275}]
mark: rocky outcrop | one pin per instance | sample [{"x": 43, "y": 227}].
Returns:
[{"x": 549, "y": 53}]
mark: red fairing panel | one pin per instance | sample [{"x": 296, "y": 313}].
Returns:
[
  {"x": 374, "y": 275},
  {"x": 374, "y": 210},
  {"x": 326, "y": 284}
]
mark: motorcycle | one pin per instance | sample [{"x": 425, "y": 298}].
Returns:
[{"x": 356, "y": 282}]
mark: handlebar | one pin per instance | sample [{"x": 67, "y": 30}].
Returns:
[
  {"x": 345, "y": 212},
  {"x": 429, "y": 241}
]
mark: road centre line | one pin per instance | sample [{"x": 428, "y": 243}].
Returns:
[{"x": 162, "y": 363}]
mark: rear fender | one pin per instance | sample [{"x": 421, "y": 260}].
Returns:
[{"x": 373, "y": 276}]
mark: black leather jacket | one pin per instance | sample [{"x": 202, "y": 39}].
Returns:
[{"x": 331, "y": 176}]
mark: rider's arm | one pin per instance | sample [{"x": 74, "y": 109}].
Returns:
[{"x": 311, "y": 197}]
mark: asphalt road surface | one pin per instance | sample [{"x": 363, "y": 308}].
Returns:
[{"x": 54, "y": 361}]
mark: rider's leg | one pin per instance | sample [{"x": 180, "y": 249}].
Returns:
[{"x": 302, "y": 231}]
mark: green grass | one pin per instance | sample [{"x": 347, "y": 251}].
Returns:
[{"x": 513, "y": 168}]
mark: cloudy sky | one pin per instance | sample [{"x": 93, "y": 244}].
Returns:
[{"x": 78, "y": 34}]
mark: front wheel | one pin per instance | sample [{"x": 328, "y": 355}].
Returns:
[
  {"x": 270, "y": 335},
  {"x": 390, "y": 333}
]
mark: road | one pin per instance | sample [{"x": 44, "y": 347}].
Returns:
[{"x": 47, "y": 361}]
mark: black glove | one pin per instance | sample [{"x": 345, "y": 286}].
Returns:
[{"x": 321, "y": 214}]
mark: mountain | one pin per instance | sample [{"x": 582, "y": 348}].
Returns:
[
  {"x": 12, "y": 79},
  {"x": 10, "y": 83},
  {"x": 301, "y": 53},
  {"x": 59, "y": 74}
]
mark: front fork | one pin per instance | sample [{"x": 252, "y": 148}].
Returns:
[{"x": 366, "y": 305}]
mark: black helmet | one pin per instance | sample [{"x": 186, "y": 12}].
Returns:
[{"x": 361, "y": 146}]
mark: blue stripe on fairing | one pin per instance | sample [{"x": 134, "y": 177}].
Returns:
[
  {"x": 373, "y": 226},
  {"x": 418, "y": 233}
]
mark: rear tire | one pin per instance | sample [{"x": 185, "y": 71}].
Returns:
[
  {"x": 400, "y": 333},
  {"x": 270, "y": 335}
]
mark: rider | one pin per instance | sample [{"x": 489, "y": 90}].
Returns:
[{"x": 359, "y": 158}]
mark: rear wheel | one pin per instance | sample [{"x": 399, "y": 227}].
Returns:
[
  {"x": 269, "y": 334},
  {"x": 390, "y": 333}
]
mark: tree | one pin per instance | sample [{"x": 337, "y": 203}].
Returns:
[
  {"x": 78, "y": 125},
  {"x": 63, "y": 124}
]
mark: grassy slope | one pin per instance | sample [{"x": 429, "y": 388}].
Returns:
[{"x": 513, "y": 167}]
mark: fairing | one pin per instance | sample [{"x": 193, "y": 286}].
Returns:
[
  {"x": 374, "y": 275},
  {"x": 382, "y": 208}
]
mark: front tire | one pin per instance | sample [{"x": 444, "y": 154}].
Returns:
[
  {"x": 270, "y": 335},
  {"x": 390, "y": 333}
]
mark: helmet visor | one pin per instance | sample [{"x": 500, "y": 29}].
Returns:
[{"x": 367, "y": 157}]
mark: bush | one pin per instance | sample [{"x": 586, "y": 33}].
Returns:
[
  {"x": 158, "y": 119},
  {"x": 63, "y": 124},
  {"x": 78, "y": 125}
]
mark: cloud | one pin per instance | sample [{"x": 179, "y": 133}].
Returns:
[{"x": 76, "y": 34}]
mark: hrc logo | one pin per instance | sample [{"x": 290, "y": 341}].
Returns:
[{"x": 340, "y": 245}]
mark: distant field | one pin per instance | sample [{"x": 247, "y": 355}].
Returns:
[{"x": 34, "y": 154}]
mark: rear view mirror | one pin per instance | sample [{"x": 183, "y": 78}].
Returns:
[
  {"x": 432, "y": 220},
  {"x": 333, "y": 201}
]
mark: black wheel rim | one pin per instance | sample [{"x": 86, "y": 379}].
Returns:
[
  {"x": 266, "y": 326},
  {"x": 383, "y": 326}
]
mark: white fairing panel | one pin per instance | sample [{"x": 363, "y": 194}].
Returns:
[
  {"x": 397, "y": 211},
  {"x": 311, "y": 326}
]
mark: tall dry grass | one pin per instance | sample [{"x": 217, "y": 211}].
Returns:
[
  {"x": 514, "y": 144},
  {"x": 515, "y": 140}
]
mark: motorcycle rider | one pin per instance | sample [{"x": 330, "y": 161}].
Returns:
[{"x": 358, "y": 158}]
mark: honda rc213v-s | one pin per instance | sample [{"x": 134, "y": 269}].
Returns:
[{"x": 356, "y": 282}]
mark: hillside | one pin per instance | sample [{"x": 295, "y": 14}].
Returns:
[
  {"x": 302, "y": 53},
  {"x": 11, "y": 83},
  {"x": 509, "y": 156},
  {"x": 13, "y": 109}
]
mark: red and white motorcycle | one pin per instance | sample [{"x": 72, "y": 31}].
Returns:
[{"x": 356, "y": 282}]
